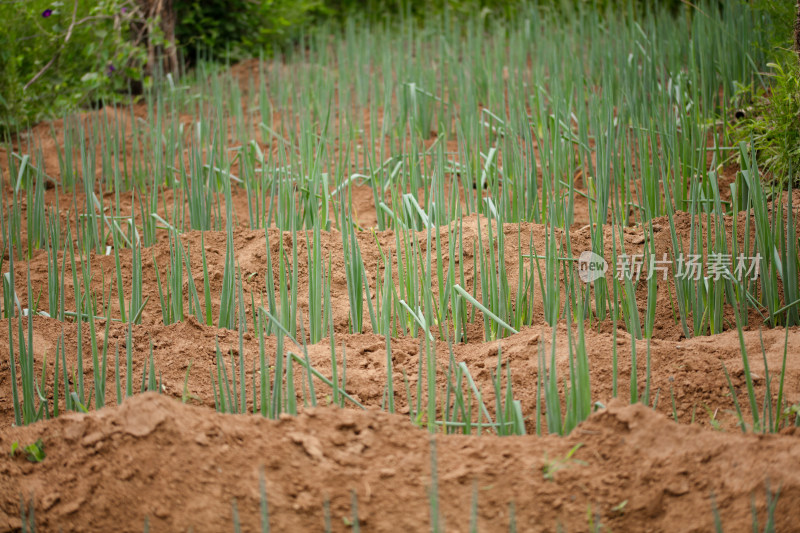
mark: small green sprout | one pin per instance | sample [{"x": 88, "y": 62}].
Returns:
[
  {"x": 551, "y": 467},
  {"x": 33, "y": 452},
  {"x": 620, "y": 506}
]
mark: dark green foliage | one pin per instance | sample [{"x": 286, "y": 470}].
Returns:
[
  {"x": 773, "y": 125},
  {"x": 55, "y": 56},
  {"x": 241, "y": 28},
  {"x": 238, "y": 28},
  {"x": 779, "y": 19},
  {"x": 419, "y": 8}
]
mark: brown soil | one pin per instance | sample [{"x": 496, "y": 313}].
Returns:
[
  {"x": 180, "y": 467},
  {"x": 689, "y": 370}
]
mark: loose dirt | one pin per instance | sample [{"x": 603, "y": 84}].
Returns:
[
  {"x": 170, "y": 461},
  {"x": 179, "y": 467}
]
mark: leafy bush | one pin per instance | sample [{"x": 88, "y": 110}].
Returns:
[
  {"x": 779, "y": 18},
  {"x": 773, "y": 124},
  {"x": 773, "y": 128},
  {"x": 57, "y": 56},
  {"x": 237, "y": 28}
]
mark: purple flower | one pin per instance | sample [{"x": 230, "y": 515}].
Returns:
[
  {"x": 47, "y": 12},
  {"x": 124, "y": 10},
  {"x": 110, "y": 69}
]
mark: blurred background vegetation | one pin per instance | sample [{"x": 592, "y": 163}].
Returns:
[
  {"x": 57, "y": 56},
  {"x": 227, "y": 29},
  {"x": 771, "y": 124}
]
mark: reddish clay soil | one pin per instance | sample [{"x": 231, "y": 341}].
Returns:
[
  {"x": 182, "y": 468},
  {"x": 689, "y": 370},
  {"x": 170, "y": 460}
]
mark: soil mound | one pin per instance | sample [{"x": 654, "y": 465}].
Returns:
[{"x": 177, "y": 467}]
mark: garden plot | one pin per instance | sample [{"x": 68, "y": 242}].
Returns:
[{"x": 346, "y": 288}]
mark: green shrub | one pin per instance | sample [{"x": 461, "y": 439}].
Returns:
[
  {"x": 57, "y": 56},
  {"x": 779, "y": 19},
  {"x": 238, "y": 28},
  {"x": 773, "y": 126}
]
